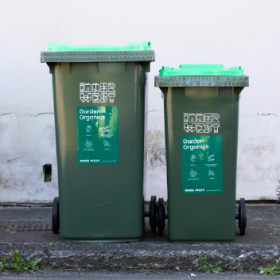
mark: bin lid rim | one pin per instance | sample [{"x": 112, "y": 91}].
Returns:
[
  {"x": 201, "y": 81},
  {"x": 200, "y": 70},
  {"x": 81, "y": 57},
  {"x": 64, "y": 47}
]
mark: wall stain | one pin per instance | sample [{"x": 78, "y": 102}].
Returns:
[
  {"x": 4, "y": 182},
  {"x": 253, "y": 150},
  {"x": 155, "y": 148},
  {"x": 253, "y": 164}
]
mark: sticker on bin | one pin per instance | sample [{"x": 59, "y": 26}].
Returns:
[
  {"x": 98, "y": 135},
  {"x": 202, "y": 164}
]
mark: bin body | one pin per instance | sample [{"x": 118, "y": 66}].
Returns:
[
  {"x": 99, "y": 122},
  {"x": 201, "y": 132}
]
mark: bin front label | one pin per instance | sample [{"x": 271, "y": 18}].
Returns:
[
  {"x": 97, "y": 92},
  {"x": 97, "y": 135},
  {"x": 201, "y": 123},
  {"x": 202, "y": 164}
]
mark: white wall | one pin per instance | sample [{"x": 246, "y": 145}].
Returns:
[{"x": 233, "y": 33}]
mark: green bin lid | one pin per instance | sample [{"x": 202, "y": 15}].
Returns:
[
  {"x": 142, "y": 46},
  {"x": 200, "y": 70},
  {"x": 201, "y": 75},
  {"x": 132, "y": 52}
]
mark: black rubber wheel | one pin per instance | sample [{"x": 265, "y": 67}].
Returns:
[
  {"x": 153, "y": 213},
  {"x": 242, "y": 216},
  {"x": 161, "y": 216},
  {"x": 55, "y": 215}
]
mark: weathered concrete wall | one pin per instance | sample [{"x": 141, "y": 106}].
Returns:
[
  {"x": 258, "y": 169},
  {"x": 27, "y": 143},
  {"x": 245, "y": 33}
]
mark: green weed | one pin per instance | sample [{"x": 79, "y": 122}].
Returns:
[
  {"x": 18, "y": 264},
  {"x": 209, "y": 267},
  {"x": 276, "y": 227},
  {"x": 275, "y": 269}
]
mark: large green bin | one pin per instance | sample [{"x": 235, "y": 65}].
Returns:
[
  {"x": 99, "y": 109},
  {"x": 201, "y": 131}
]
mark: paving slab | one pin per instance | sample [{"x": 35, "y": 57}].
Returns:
[{"x": 259, "y": 247}]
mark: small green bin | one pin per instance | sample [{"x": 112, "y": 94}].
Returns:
[
  {"x": 99, "y": 108},
  {"x": 201, "y": 132}
]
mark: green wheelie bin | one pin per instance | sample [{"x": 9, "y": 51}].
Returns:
[
  {"x": 99, "y": 109},
  {"x": 201, "y": 132}
]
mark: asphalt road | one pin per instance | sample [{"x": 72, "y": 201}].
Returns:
[{"x": 131, "y": 274}]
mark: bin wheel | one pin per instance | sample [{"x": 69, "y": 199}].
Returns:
[
  {"x": 55, "y": 215},
  {"x": 153, "y": 213},
  {"x": 242, "y": 216},
  {"x": 161, "y": 216}
]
